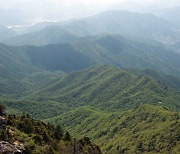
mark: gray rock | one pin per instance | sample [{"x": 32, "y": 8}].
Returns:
[{"x": 7, "y": 148}]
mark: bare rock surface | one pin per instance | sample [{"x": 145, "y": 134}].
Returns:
[{"x": 7, "y": 148}]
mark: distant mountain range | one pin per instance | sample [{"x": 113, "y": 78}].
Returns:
[
  {"x": 103, "y": 49},
  {"x": 114, "y": 22},
  {"x": 48, "y": 35}
]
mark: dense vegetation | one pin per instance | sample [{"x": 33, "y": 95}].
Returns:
[
  {"x": 37, "y": 137},
  {"x": 109, "y": 89},
  {"x": 96, "y": 102},
  {"x": 106, "y": 49},
  {"x": 168, "y": 80},
  {"x": 147, "y": 128}
]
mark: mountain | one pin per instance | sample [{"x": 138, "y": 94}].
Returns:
[
  {"x": 104, "y": 87},
  {"x": 129, "y": 53},
  {"x": 57, "y": 57},
  {"x": 6, "y": 33},
  {"x": 106, "y": 49},
  {"x": 34, "y": 27},
  {"x": 42, "y": 25},
  {"x": 17, "y": 63},
  {"x": 49, "y": 35},
  {"x": 89, "y": 51},
  {"x": 13, "y": 66},
  {"x": 138, "y": 25},
  {"x": 107, "y": 88},
  {"x": 169, "y": 80},
  {"x": 115, "y": 108},
  {"x": 13, "y": 62}
]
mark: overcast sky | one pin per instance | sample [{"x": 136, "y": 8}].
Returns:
[
  {"x": 27, "y": 11},
  {"x": 7, "y": 3}
]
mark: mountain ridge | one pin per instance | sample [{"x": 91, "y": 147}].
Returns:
[{"x": 141, "y": 25}]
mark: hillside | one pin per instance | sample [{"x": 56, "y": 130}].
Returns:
[
  {"x": 103, "y": 87},
  {"x": 115, "y": 22},
  {"x": 148, "y": 129},
  {"x": 107, "y": 88},
  {"x": 168, "y": 80},
  {"x": 101, "y": 49},
  {"x": 22, "y": 134},
  {"x": 115, "y": 108},
  {"x": 107, "y": 49},
  {"x": 59, "y": 57},
  {"x": 21, "y": 67},
  {"x": 129, "y": 53},
  {"x": 14, "y": 64},
  {"x": 19, "y": 64}
]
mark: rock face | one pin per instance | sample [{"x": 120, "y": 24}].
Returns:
[{"x": 7, "y": 148}]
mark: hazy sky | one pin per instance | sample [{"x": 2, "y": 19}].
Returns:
[
  {"x": 28, "y": 11},
  {"x": 7, "y": 3}
]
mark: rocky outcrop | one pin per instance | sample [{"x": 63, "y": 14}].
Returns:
[{"x": 7, "y": 148}]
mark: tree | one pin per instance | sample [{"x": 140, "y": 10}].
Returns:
[
  {"x": 67, "y": 137},
  {"x": 45, "y": 137},
  {"x": 38, "y": 139},
  {"x": 140, "y": 146},
  {"x": 87, "y": 140},
  {"x": 2, "y": 108},
  {"x": 58, "y": 134}
]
